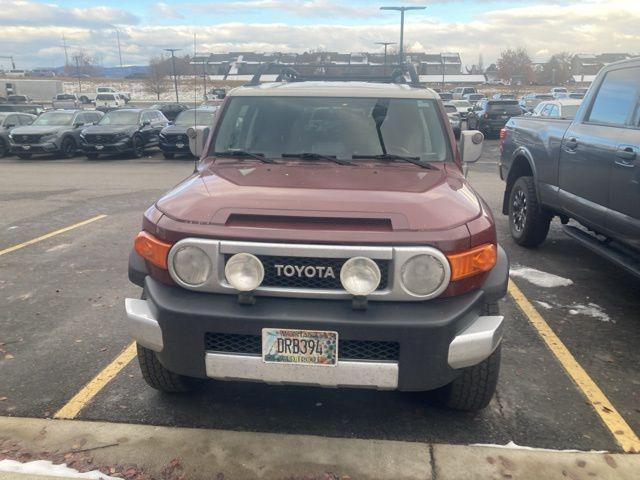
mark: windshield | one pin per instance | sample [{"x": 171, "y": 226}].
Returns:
[
  {"x": 202, "y": 117},
  {"x": 120, "y": 117},
  {"x": 340, "y": 127},
  {"x": 450, "y": 109},
  {"x": 65, "y": 96},
  {"x": 504, "y": 107},
  {"x": 54, "y": 118},
  {"x": 544, "y": 97},
  {"x": 104, "y": 96}
]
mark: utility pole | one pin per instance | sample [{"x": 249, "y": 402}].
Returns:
[
  {"x": 66, "y": 53},
  {"x": 77, "y": 59},
  {"x": 119, "y": 51},
  {"x": 402, "y": 10},
  {"x": 173, "y": 63},
  {"x": 386, "y": 44}
]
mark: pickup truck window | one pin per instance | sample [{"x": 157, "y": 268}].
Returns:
[
  {"x": 616, "y": 98},
  {"x": 504, "y": 107},
  {"x": 106, "y": 96},
  {"x": 340, "y": 127},
  {"x": 121, "y": 117}
]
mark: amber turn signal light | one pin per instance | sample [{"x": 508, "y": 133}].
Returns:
[
  {"x": 472, "y": 262},
  {"x": 152, "y": 249}
]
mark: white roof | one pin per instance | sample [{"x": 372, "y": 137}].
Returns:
[
  {"x": 453, "y": 78},
  {"x": 333, "y": 89}
]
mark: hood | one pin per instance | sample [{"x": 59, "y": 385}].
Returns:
[
  {"x": 389, "y": 196},
  {"x": 38, "y": 129},
  {"x": 175, "y": 130},
  {"x": 109, "y": 129}
]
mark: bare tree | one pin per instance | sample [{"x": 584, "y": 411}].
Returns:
[
  {"x": 82, "y": 64},
  {"x": 515, "y": 66},
  {"x": 558, "y": 69},
  {"x": 156, "y": 81}
]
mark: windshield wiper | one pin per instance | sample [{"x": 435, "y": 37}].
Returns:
[
  {"x": 317, "y": 156},
  {"x": 392, "y": 157},
  {"x": 244, "y": 154}
]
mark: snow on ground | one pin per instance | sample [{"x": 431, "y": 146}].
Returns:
[
  {"x": 539, "y": 278},
  {"x": 45, "y": 467},
  {"x": 591, "y": 310}
]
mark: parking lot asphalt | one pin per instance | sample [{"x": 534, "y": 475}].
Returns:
[{"x": 62, "y": 321}]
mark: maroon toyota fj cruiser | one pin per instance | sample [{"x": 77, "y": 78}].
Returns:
[{"x": 327, "y": 237}]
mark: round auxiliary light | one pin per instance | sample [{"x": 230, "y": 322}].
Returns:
[
  {"x": 244, "y": 272},
  {"x": 477, "y": 138},
  {"x": 192, "y": 265},
  {"x": 192, "y": 132},
  {"x": 360, "y": 276},
  {"x": 423, "y": 276}
]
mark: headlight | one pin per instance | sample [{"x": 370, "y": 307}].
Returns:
[
  {"x": 424, "y": 276},
  {"x": 244, "y": 272},
  {"x": 192, "y": 266},
  {"x": 360, "y": 276}
]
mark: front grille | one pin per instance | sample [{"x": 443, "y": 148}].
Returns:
[
  {"x": 99, "y": 139},
  {"x": 177, "y": 138},
  {"x": 275, "y": 276},
  {"x": 347, "y": 349},
  {"x": 26, "y": 139}
]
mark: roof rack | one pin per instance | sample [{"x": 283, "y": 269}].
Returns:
[{"x": 289, "y": 74}]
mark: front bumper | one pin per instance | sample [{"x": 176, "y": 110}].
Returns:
[
  {"x": 168, "y": 147},
  {"x": 118, "y": 147},
  {"x": 48, "y": 147},
  {"x": 436, "y": 338}
]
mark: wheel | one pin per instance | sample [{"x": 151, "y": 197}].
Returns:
[
  {"x": 137, "y": 146},
  {"x": 68, "y": 147},
  {"x": 92, "y": 156},
  {"x": 168, "y": 155},
  {"x": 474, "y": 388},
  {"x": 24, "y": 156},
  {"x": 3, "y": 148},
  {"x": 528, "y": 222},
  {"x": 159, "y": 377}
]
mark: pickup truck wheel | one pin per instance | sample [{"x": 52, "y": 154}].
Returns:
[
  {"x": 529, "y": 224},
  {"x": 159, "y": 377},
  {"x": 68, "y": 147},
  {"x": 168, "y": 155}
]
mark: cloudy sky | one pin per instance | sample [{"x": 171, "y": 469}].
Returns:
[{"x": 32, "y": 30}]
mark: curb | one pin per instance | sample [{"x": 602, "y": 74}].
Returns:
[{"x": 138, "y": 452}]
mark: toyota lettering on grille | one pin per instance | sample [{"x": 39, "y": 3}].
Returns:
[{"x": 308, "y": 271}]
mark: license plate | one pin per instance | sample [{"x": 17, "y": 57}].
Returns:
[
  {"x": 180, "y": 145},
  {"x": 99, "y": 147},
  {"x": 303, "y": 347},
  {"x": 26, "y": 147}
]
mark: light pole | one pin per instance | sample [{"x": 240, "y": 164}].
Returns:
[
  {"x": 402, "y": 10},
  {"x": 386, "y": 44},
  {"x": 173, "y": 63}
]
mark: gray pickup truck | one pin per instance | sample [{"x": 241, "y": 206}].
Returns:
[{"x": 586, "y": 169}]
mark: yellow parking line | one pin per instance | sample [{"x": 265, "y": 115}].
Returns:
[
  {"x": 49, "y": 235},
  {"x": 71, "y": 409},
  {"x": 620, "y": 429}
]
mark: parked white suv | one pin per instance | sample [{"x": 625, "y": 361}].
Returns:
[{"x": 109, "y": 101}]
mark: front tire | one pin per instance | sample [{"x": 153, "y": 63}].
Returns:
[
  {"x": 137, "y": 145},
  {"x": 528, "y": 222},
  {"x": 159, "y": 377},
  {"x": 68, "y": 147}
]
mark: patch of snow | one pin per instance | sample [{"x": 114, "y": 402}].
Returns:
[
  {"x": 45, "y": 467},
  {"x": 539, "y": 278},
  {"x": 62, "y": 246},
  {"x": 591, "y": 310},
  {"x": 545, "y": 305},
  {"x": 12, "y": 227},
  {"x": 513, "y": 446}
]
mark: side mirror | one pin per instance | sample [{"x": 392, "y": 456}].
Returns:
[
  {"x": 78, "y": 124},
  {"x": 170, "y": 122},
  {"x": 471, "y": 145},
  {"x": 146, "y": 123},
  {"x": 470, "y": 109}
]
